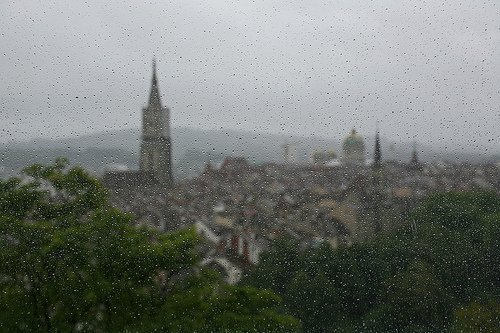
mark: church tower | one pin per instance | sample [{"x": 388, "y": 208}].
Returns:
[{"x": 156, "y": 146}]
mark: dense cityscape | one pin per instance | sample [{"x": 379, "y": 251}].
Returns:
[
  {"x": 282, "y": 227},
  {"x": 279, "y": 167},
  {"x": 240, "y": 207}
]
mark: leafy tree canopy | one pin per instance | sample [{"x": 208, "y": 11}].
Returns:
[
  {"x": 439, "y": 272},
  {"x": 71, "y": 262}
]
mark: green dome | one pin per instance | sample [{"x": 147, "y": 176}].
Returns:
[{"x": 353, "y": 141}]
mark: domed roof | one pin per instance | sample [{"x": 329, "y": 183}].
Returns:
[{"x": 353, "y": 140}]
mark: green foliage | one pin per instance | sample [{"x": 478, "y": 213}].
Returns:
[
  {"x": 314, "y": 300},
  {"x": 225, "y": 309},
  {"x": 457, "y": 210},
  {"x": 279, "y": 263},
  {"x": 70, "y": 262},
  {"x": 406, "y": 281},
  {"x": 16, "y": 199},
  {"x": 414, "y": 296},
  {"x": 478, "y": 317}
]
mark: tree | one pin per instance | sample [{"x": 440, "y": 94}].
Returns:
[
  {"x": 224, "y": 309},
  {"x": 277, "y": 267},
  {"x": 415, "y": 301},
  {"x": 69, "y": 261},
  {"x": 455, "y": 210},
  {"x": 404, "y": 281},
  {"x": 478, "y": 317},
  {"x": 314, "y": 301}
]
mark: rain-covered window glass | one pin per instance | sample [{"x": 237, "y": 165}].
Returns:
[{"x": 249, "y": 166}]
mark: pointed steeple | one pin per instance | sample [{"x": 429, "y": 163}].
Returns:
[
  {"x": 414, "y": 162},
  {"x": 414, "y": 155},
  {"x": 377, "y": 194},
  {"x": 154, "y": 71},
  {"x": 377, "y": 155},
  {"x": 154, "y": 96}
]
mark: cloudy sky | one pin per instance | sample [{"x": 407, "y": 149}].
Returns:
[{"x": 425, "y": 69}]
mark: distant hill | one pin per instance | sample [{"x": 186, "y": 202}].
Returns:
[{"x": 193, "y": 148}]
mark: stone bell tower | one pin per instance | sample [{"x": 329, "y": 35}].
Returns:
[{"x": 156, "y": 145}]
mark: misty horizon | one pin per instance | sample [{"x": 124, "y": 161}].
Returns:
[{"x": 283, "y": 68}]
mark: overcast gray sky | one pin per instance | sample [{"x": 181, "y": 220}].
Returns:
[{"x": 429, "y": 69}]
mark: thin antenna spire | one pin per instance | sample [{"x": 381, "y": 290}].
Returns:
[
  {"x": 414, "y": 162},
  {"x": 377, "y": 156},
  {"x": 154, "y": 71},
  {"x": 154, "y": 96}
]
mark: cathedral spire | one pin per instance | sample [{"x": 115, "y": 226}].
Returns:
[
  {"x": 414, "y": 155},
  {"x": 156, "y": 147},
  {"x": 414, "y": 162},
  {"x": 154, "y": 96},
  {"x": 378, "y": 184},
  {"x": 377, "y": 156}
]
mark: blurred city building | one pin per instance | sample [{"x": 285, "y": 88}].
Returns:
[{"x": 353, "y": 149}]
